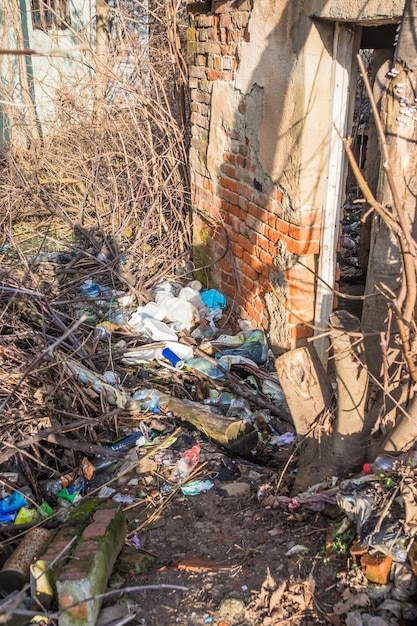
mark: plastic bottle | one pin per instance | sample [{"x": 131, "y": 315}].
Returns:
[
  {"x": 185, "y": 464},
  {"x": 90, "y": 289},
  {"x": 189, "y": 294},
  {"x": 158, "y": 331},
  {"x": 203, "y": 331},
  {"x": 173, "y": 358},
  {"x": 205, "y": 367},
  {"x": 135, "y": 439},
  {"x": 383, "y": 464},
  {"x": 223, "y": 400},
  {"x": 251, "y": 344},
  {"x": 147, "y": 399}
]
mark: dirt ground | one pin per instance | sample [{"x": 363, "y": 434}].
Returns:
[{"x": 228, "y": 552}]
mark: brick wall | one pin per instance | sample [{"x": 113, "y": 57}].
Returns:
[{"x": 249, "y": 237}]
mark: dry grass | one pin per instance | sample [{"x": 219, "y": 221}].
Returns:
[{"x": 106, "y": 185}]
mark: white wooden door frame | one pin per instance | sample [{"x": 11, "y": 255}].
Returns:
[{"x": 344, "y": 44}]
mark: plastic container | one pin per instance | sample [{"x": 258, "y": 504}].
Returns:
[
  {"x": 151, "y": 352},
  {"x": 177, "y": 310},
  {"x": 185, "y": 464},
  {"x": 135, "y": 439},
  {"x": 205, "y": 367},
  {"x": 158, "y": 331},
  {"x": 253, "y": 346},
  {"x": 173, "y": 358},
  {"x": 222, "y": 401},
  {"x": 382, "y": 465},
  {"x": 147, "y": 399},
  {"x": 192, "y": 295}
]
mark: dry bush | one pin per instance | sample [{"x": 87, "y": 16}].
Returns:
[{"x": 106, "y": 186}]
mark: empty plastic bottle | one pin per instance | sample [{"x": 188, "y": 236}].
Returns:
[
  {"x": 185, "y": 464},
  {"x": 251, "y": 344},
  {"x": 147, "y": 399},
  {"x": 223, "y": 400},
  {"x": 206, "y": 367},
  {"x": 383, "y": 464},
  {"x": 90, "y": 289}
]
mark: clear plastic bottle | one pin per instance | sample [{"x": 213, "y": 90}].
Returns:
[
  {"x": 185, "y": 464},
  {"x": 383, "y": 464},
  {"x": 251, "y": 344}
]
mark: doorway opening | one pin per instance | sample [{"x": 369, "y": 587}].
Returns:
[{"x": 376, "y": 48}]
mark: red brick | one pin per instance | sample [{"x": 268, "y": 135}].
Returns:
[
  {"x": 281, "y": 226},
  {"x": 265, "y": 258},
  {"x": 217, "y": 63},
  {"x": 243, "y": 203},
  {"x": 272, "y": 234},
  {"x": 237, "y": 250},
  {"x": 225, "y": 21},
  {"x": 233, "y": 210},
  {"x": 227, "y": 183},
  {"x": 252, "y": 236},
  {"x": 248, "y": 283},
  {"x": 256, "y": 263},
  {"x": 246, "y": 245},
  {"x": 229, "y": 158},
  {"x": 301, "y": 248},
  {"x": 271, "y": 220},
  {"x": 277, "y": 195},
  {"x": 230, "y": 171},
  {"x": 297, "y": 272},
  {"x": 310, "y": 218},
  {"x": 247, "y": 270},
  {"x": 219, "y": 6},
  {"x": 262, "y": 241},
  {"x": 295, "y": 318},
  {"x": 245, "y": 191},
  {"x": 272, "y": 249},
  {"x": 376, "y": 567},
  {"x": 263, "y": 215},
  {"x": 304, "y": 233},
  {"x": 300, "y": 331}
]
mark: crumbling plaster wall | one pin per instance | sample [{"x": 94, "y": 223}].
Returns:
[{"x": 260, "y": 164}]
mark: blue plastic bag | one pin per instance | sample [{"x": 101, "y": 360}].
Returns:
[{"x": 213, "y": 299}]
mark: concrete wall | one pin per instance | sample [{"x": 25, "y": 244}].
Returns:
[
  {"x": 34, "y": 82},
  {"x": 262, "y": 108}
]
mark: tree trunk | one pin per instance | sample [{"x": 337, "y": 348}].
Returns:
[
  {"x": 351, "y": 429},
  {"x": 328, "y": 446},
  {"x": 309, "y": 394},
  {"x": 397, "y": 117}
]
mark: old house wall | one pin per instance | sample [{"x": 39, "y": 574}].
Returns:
[
  {"x": 261, "y": 81},
  {"x": 32, "y": 85}
]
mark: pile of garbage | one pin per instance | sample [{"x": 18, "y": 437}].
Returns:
[
  {"x": 379, "y": 529},
  {"x": 97, "y": 380}
]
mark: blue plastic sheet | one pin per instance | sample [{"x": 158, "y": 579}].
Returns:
[{"x": 213, "y": 299}]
